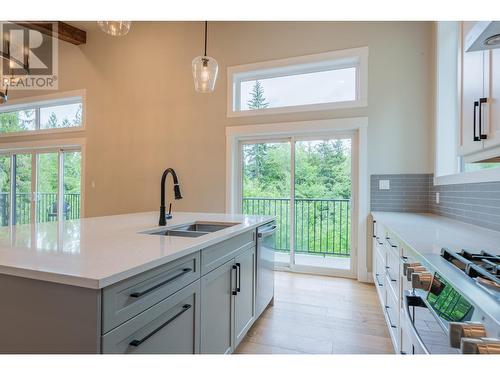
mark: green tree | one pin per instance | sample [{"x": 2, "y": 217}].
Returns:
[{"x": 258, "y": 100}]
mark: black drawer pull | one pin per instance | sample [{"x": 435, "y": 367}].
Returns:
[
  {"x": 389, "y": 275},
  {"x": 136, "y": 343},
  {"x": 390, "y": 243},
  {"x": 378, "y": 281},
  {"x": 389, "y": 317},
  {"x": 140, "y": 294},
  {"x": 373, "y": 229}
]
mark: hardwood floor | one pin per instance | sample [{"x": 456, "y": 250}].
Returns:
[{"x": 319, "y": 315}]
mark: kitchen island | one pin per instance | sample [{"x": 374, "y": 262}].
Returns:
[{"x": 114, "y": 285}]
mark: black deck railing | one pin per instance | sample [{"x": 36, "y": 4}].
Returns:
[
  {"x": 46, "y": 207},
  {"x": 322, "y": 226}
]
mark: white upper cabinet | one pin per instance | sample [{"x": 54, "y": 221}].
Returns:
[
  {"x": 493, "y": 129},
  {"x": 467, "y": 107},
  {"x": 473, "y": 129}
]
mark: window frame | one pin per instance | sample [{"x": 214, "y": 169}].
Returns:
[
  {"x": 47, "y": 146},
  {"x": 347, "y": 58},
  {"x": 37, "y": 102}
]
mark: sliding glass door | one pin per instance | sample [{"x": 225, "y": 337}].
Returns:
[
  {"x": 40, "y": 186},
  {"x": 306, "y": 184}
]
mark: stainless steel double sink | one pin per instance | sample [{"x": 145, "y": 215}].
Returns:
[{"x": 196, "y": 229}]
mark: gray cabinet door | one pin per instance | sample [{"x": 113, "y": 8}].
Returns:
[
  {"x": 244, "y": 301},
  {"x": 216, "y": 306},
  {"x": 169, "y": 327}
]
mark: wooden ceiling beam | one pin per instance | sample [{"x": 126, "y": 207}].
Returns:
[{"x": 64, "y": 31}]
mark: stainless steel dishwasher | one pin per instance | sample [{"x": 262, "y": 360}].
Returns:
[{"x": 266, "y": 235}]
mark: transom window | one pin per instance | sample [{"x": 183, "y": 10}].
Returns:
[
  {"x": 57, "y": 114},
  {"x": 307, "y": 83}
]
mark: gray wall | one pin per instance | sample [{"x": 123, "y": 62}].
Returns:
[
  {"x": 407, "y": 193},
  {"x": 477, "y": 203},
  {"x": 472, "y": 203}
]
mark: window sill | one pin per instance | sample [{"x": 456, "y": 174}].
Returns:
[
  {"x": 299, "y": 108},
  {"x": 29, "y": 133}
]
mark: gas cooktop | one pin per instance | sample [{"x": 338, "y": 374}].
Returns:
[{"x": 484, "y": 267}]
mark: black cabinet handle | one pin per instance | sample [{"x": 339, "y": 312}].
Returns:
[
  {"x": 373, "y": 229},
  {"x": 235, "y": 291},
  {"x": 238, "y": 286},
  {"x": 378, "y": 281},
  {"x": 481, "y": 102},
  {"x": 475, "y": 137},
  {"x": 390, "y": 243},
  {"x": 140, "y": 294},
  {"x": 136, "y": 343},
  {"x": 389, "y": 275},
  {"x": 389, "y": 317}
]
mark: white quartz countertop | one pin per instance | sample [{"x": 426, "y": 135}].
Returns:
[
  {"x": 428, "y": 233},
  {"x": 97, "y": 252}
]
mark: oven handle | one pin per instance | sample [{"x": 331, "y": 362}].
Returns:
[{"x": 411, "y": 325}]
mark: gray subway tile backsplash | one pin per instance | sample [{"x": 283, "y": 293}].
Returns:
[{"x": 477, "y": 203}]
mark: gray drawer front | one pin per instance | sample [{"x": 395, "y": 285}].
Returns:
[
  {"x": 218, "y": 254},
  {"x": 169, "y": 327},
  {"x": 119, "y": 303}
]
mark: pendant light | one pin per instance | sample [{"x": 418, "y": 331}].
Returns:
[
  {"x": 205, "y": 70},
  {"x": 115, "y": 28}
]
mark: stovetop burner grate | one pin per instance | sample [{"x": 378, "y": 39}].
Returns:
[{"x": 483, "y": 265}]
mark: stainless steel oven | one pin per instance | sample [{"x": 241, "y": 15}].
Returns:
[{"x": 427, "y": 316}]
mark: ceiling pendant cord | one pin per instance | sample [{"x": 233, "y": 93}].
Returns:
[{"x": 206, "y": 28}]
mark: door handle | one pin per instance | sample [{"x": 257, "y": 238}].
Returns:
[
  {"x": 481, "y": 102},
  {"x": 373, "y": 229},
  {"x": 235, "y": 291},
  {"x": 136, "y": 342},
  {"x": 475, "y": 138},
  {"x": 238, "y": 271}
]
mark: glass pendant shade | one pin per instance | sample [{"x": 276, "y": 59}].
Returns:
[
  {"x": 115, "y": 28},
  {"x": 205, "y": 71}
]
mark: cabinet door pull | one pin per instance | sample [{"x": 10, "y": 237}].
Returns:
[
  {"x": 378, "y": 281},
  {"x": 373, "y": 229},
  {"x": 389, "y": 317},
  {"x": 390, "y": 243},
  {"x": 140, "y": 294},
  {"x": 238, "y": 286},
  {"x": 235, "y": 291},
  {"x": 481, "y": 102},
  {"x": 136, "y": 343},
  {"x": 475, "y": 137}
]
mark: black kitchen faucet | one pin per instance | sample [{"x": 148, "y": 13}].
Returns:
[{"x": 177, "y": 194}]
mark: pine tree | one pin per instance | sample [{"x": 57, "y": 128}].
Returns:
[{"x": 258, "y": 100}]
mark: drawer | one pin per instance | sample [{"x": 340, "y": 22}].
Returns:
[
  {"x": 392, "y": 313},
  {"x": 126, "y": 299},
  {"x": 380, "y": 273},
  {"x": 392, "y": 274},
  {"x": 218, "y": 254},
  {"x": 169, "y": 327}
]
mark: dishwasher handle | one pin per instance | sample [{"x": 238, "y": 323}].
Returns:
[{"x": 267, "y": 233}]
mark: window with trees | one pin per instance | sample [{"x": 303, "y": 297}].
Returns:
[
  {"x": 42, "y": 116},
  {"x": 330, "y": 80},
  {"x": 40, "y": 181}
]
